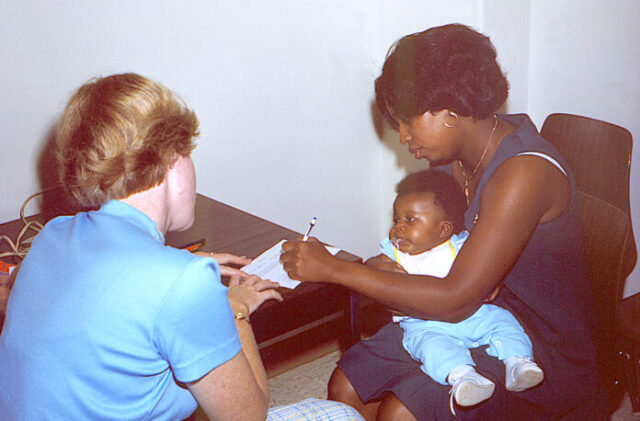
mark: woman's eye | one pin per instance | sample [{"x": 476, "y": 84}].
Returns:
[{"x": 410, "y": 219}]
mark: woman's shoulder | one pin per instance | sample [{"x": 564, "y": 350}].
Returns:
[
  {"x": 524, "y": 138},
  {"x": 525, "y": 169}
]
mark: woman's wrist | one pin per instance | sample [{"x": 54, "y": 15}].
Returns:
[
  {"x": 339, "y": 272},
  {"x": 241, "y": 308},
  {"x": 241, "y": 316}
]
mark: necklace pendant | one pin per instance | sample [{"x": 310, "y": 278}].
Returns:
[{"x": 466, "y": 193}]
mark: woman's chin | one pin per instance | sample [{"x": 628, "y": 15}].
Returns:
[{"x": 437, "y": 162}]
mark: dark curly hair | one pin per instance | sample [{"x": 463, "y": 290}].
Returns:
[
  {"x": 447, "y": 192},
  {"x": 447, "y": 67}
]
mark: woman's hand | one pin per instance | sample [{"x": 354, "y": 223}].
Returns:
[
  {"x": 247, "y": 293},
  {"x": 224, "y": 258},
  {"x": 384, "y": 262},
  {"x": 307, "y": 260}
]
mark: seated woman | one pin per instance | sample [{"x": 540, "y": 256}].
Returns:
[
  {"x": 441, "y": 90},
  {"x": 107, "y": 322}
]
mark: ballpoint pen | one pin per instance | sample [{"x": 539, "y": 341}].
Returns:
[{"x": 311, "y": 224}]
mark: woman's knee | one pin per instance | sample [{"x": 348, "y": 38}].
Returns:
[
  {"x": 391, "y": 409},
  {"x": 340, "y": 388}
]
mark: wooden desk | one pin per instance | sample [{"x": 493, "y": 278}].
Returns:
[
  {"x": 227, "y": 229},
  {"x": 230, "y": 230}
]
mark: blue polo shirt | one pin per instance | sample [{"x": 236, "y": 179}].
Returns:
[{"x": 105, "y": 322}]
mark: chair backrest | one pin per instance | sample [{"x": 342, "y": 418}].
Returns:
[
  {"x": 606, "y": 232},
  {"x": 599, "y": 156},
  {"x": 598, "y": 153}
]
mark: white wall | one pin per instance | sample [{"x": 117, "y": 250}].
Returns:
[
  {"x": 284, "y": 89},
  {"x": 585, "y": 59},
  {"x": 281, "y": 89}
]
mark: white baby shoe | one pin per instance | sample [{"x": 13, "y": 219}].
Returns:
[
  {"x": 468, "y": 387},
  {"x": 521, "y": 374}
]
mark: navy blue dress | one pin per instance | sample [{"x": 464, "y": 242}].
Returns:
[{"x": 546, "y": 291}]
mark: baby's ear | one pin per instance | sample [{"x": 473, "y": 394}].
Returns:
[{"x": 446, "y": 229}]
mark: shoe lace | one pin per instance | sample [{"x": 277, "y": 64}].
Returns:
[
  {"x": 451, "y": 405},
  {"x": 452, "y": 394}
]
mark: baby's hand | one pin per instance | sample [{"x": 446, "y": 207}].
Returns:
[{"x": 384, "y": 262}]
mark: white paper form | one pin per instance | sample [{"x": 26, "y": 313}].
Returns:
[{"x": 268, "y": 266}]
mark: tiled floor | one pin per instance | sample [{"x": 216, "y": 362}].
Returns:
[{"x": 306, "y": 381}]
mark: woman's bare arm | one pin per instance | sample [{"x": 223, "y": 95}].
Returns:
[
  {"x": 231, "y": 392},
  {"x": 238, "y": 389},
  {"x": 522, "y": 193}
]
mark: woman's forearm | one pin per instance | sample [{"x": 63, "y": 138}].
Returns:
[
  {"x": 250, "y": 349},
  {"x": 420, "y": 296}
]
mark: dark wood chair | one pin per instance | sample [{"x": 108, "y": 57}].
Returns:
[
  {"x": 607, "y": 231},
  {"x": 599, "y": 155}
]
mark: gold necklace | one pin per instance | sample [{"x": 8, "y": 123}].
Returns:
[{"x": 475, "y": 170}]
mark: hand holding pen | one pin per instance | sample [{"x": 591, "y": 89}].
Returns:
[
  {"x": 307, "y": 259},
  {"x": 312, "y": 223}
]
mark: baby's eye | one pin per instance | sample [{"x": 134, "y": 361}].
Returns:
[{"x": 410, "y": 219}]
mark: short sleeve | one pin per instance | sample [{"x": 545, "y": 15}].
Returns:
[
  {"x": 386, "y": 247},
  {"x": 458, "y": 239},
  {"x": 195, "y": 331}
]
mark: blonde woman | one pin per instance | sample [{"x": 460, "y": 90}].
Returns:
[{"x": 107, "y": 322}]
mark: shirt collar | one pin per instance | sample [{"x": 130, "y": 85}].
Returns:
[{"x": 134, "y": 216}]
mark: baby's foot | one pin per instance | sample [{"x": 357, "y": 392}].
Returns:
[
  {"x": 469, "y": 387},
  {"x": 521, "y": 374}
]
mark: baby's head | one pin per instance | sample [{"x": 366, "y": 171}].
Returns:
[{"x": 429, "y": 208}]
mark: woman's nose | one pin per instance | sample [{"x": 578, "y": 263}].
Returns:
[{"x": 405, "y": 135}]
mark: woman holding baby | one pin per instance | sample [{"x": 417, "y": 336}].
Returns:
[{"x": 441, "y": 90}]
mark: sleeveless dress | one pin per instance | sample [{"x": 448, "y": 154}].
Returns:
[{"x": 546, "y": 291}]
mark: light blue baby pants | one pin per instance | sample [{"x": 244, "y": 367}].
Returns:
[{"x": 440, "y": 347}]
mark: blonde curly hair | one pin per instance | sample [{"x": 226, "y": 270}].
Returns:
[{"x": 119, "y": 135}]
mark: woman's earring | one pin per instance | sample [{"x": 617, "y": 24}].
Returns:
[{"x": 451, "y": 113}]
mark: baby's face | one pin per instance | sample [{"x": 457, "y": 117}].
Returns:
[{"x": 417, "y": 223}]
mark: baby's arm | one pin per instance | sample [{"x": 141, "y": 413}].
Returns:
[{"x": 384, "y": 262}]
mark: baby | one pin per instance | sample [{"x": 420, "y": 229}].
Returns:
[{"x": 427, "y": 233}]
